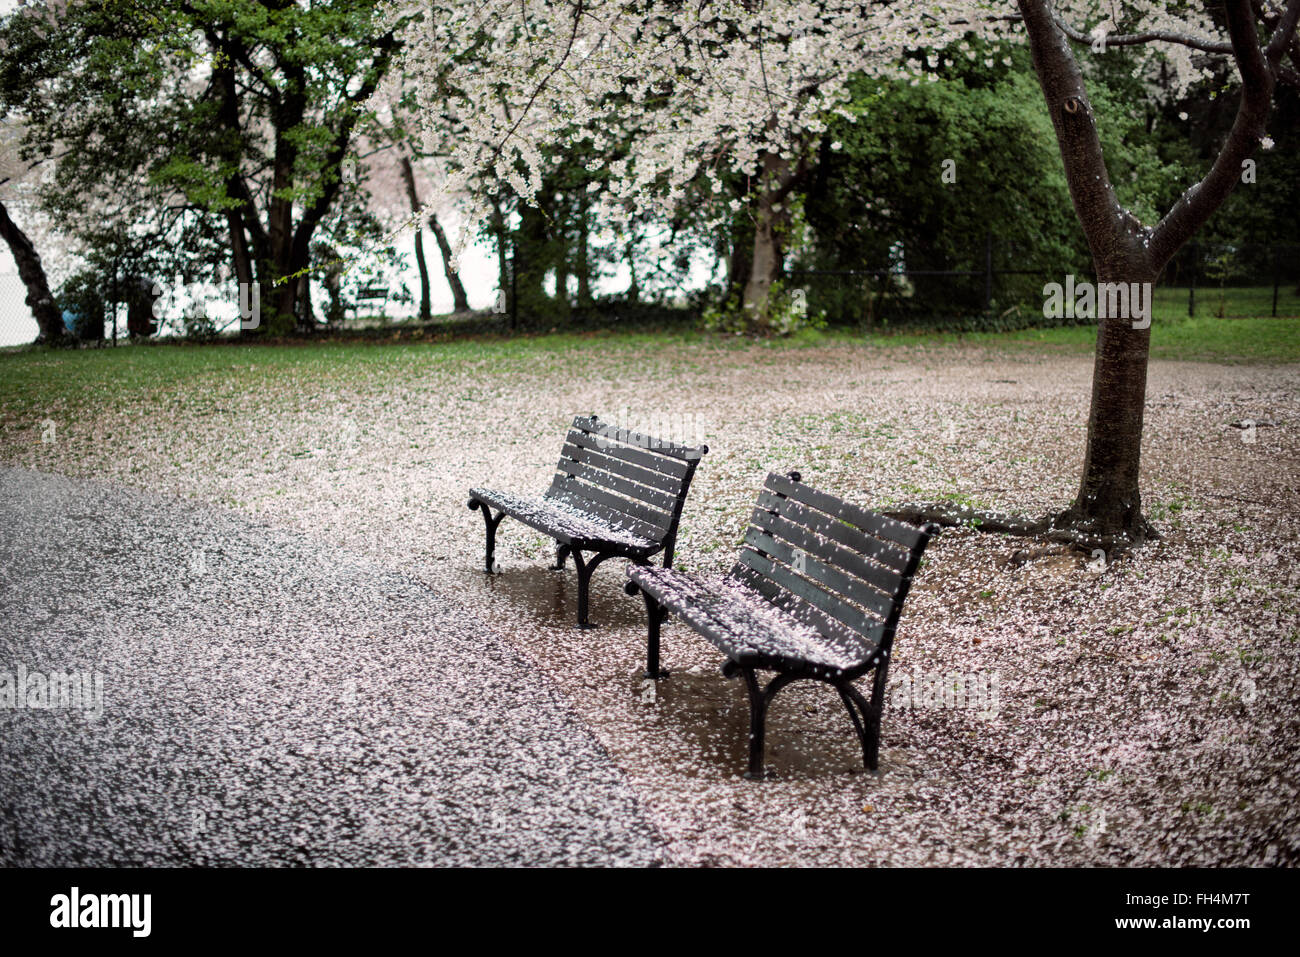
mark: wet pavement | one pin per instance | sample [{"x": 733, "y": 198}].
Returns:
[{"x": 267, "y": 700}]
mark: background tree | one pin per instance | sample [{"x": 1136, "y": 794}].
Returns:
[
  {"x": 245, "y": 109},
  {"x": 18, "y": 181}
]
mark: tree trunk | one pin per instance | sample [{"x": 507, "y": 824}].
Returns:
[
  {"x": 408, "y": 176},
  {"x": 583, "y": 258},
  {"x": 460, "y": 302},
  {"x": 503, "y": 303},
  {"x": 562, "y": 267},
  {"x": 1108, "y": 508},
  {"x": 770, "y": 220},
  {"x": 32, "y": 273},
  {"x": 633, "y": 286},
  {"x": 1109, "y": 502}
]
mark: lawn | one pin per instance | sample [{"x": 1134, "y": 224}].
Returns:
[{"x": 32, "y": 381}]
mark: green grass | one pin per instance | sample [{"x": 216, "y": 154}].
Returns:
[
  {"x": 1203, "y": 339},
  {"x": 34, "y": 381}
]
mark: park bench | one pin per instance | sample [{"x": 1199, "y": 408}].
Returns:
[
  {"x": 615, "y": 493},
  {"x": 815, "y": 593},
  {"x": 371, "y": 295}
]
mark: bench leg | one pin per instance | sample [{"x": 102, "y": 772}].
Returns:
[
  {"x": 489, "y": 556},
  {"x": 759, "y": 700},
  {"x": 561, "y": 553},
  {"x": 866, "y": 716},
  {"x": 875, "y": 715},
  {"x": 585, "y": 567},
  {"x": 655, "y": 615}
]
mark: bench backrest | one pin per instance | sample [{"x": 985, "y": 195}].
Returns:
[
  {"x": 840, "y": 568},
  {"x": 628, "y": 478}
]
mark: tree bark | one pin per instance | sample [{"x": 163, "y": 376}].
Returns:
[
  {"x": 634, "y": 285},
  {"x": 771, "y": 219},
  {"x": 32, "y": 273},
  {"x": 583, "y": 257},
  {"x": 408, "y": 177},
  {"x": 765, "y": 261},
  {"x": 460, "y": 302},
  {"x": 1108, "y": 507},
  {"x": 504, "y": 302}
]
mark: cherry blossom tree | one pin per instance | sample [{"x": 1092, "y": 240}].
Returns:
[
  {"x": 703, "y": 89},
  {"x": 746, "y": 86},
  {"x": 1259, "y": 36}
]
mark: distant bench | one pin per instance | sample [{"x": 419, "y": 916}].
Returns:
[
  {"x": 815, "y": 593},
  {"x": 615, "y": 493},
  {"x": 370, "y": 294}
]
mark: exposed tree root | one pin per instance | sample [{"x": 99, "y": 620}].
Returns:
[{"x": 1063, "y": 527}]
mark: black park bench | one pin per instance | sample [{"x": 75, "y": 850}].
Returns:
[
  {"x": 616, "y": 493},
  {"x": 815, "y": 593}
]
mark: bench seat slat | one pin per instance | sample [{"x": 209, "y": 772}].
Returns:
[
  {"x": 830, "y": 527},
  {"x": 901, "y": 534},
  {"x": 566, "y": 523},
  {"x": 637, "y": 456},
  {"x": 614, "y": 465},
  {"x": 748, "y": 628},
  {"x": 611, "y": 517},
  {"x": 685, "y": 453},
  {"x": 826, "y": 575},
  {"x": 855, "y": 618},
  {"x": 802, "y": 610}
]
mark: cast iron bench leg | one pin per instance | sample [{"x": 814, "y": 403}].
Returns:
[
  {"x": 491, "y": 526},
  {"x": 860, "y": 712},
  {"x": 561, "y": 553},
  {"x": 585, "y": 567},
  {"x": 656, "y": 615},
  {"x": 874, "y": 716},
  {"x": 759, "y": 699}
]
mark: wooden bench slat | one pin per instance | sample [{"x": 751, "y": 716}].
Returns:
[
  {"x": 887, "y": 553},
  {"x": 564, "y": 524},
  {"x": 621, "y": 511},
  {"x": 621, "y": 467},
  {"x": 840, "y": 585},
  {"x": 749, "y": 628},
  {"x": 823, "y": 544},
  {"x": 599, "y": 512},
  {"x": 650, "y": 496},
  {"x": 854, "y": 617},
  {"x": 641, "y": 440},
  {"x": 891, "y": 530},
  {"x": 637, "y": 456},
  {"x": 801, "y": 609}
]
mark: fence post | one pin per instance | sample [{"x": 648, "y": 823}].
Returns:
[
  {"x": 988, "y": 269},
  {"x": 1277, "y": 279},
  {"x": 1191, "y": 288}
]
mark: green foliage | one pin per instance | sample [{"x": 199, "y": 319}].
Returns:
[
  {"x": 177, "y": 123},
  {"x": 80, "y": 296},
  {"x": 787, "y": 314}
]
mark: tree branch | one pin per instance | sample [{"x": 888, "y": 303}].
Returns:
[
  {"x": 1111, "y": 231},
  {"x": 1199, "y": 203}
]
